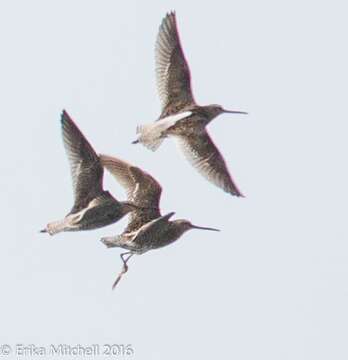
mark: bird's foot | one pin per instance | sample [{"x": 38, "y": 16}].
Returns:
[
  {"x": 124, "y": 269},
  {"x": 119, "y": 277}
]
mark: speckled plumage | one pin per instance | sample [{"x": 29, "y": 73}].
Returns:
[
  {"x": 93, "y": 206},
  {"x": 174, "y": 88},
  {"x": 147, "y": 228}
]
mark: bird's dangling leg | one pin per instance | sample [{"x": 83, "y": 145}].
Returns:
[{"x": 124, "y": 269}]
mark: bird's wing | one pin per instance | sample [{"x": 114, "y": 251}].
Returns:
[
  {"x": 154, "y": 228},
  {"x": 172, "y": 71},
  {"x": 202, "y": 153},
  {"x": 142, "y": 189},
  {"x": 86, "y": 170}
]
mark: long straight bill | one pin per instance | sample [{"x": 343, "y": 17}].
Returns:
[{"x": 204, "y": 228}]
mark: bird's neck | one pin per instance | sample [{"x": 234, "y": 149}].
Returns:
[{"x": 205, "y": 114}]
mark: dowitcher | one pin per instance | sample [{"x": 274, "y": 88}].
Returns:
[
  {"x": 147, "y": 228},
  {"x": 181, "y": 116},
  {"x": 93, "y": 207}
]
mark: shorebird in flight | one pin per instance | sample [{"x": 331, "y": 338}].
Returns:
[
  {"x": 147, "y": 228},
  {"x": 93, "y": 207},
  {"x": 181, "y": 116}
]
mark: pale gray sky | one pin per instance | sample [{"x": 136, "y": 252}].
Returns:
[{"x": 273, "y": 283}]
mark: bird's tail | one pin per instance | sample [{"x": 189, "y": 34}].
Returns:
[
  {"x": 55, "y": 227},
  {"x": 111, "y": 241},
  {"x": 150, "y": 135}
]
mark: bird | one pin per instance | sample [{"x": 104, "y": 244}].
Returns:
[
  {"x": 147, "y": 228},
  {"x": 93, "y": 206},
  {"x": 181, "y": 117}
]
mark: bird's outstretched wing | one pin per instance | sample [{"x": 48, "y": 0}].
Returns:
[
  {"x": 172, "y": 71},
  {"x": 142, "y": 190},
  {"x": 86, "y": 170},
  {"x": 202, "y": 153}
]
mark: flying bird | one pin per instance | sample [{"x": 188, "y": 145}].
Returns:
[
  {"x": 181, "y": 116},
  {"x": 147, "y": 228},
  {"x": 93, "y": 207}
]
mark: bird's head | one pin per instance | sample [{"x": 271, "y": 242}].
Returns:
[{"x": 215, "y": 110}]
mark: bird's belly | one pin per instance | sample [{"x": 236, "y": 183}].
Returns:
[{"x": 154, "y": 240}]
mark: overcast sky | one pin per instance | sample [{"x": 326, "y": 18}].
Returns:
[{"x": 273, "y": 283}]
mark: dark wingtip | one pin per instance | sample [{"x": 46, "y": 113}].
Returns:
[
  {"x": 234, "y": 191},
  {"x": 169, "y": 215},
  {"x": 169, "y": 17},
  {"x": 65, "y": 117},
  {"x": 135, "y": 142},
  {"x": 64, "y": 113},
  {"x": 43, "y": 231}
]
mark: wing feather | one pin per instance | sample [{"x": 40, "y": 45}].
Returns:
[
  {"x": 172, "y": 71},
  {"x": 142, "y": 189},
  {"x": 204, "y": 156},
  {"x": 86, "y": 170}
]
